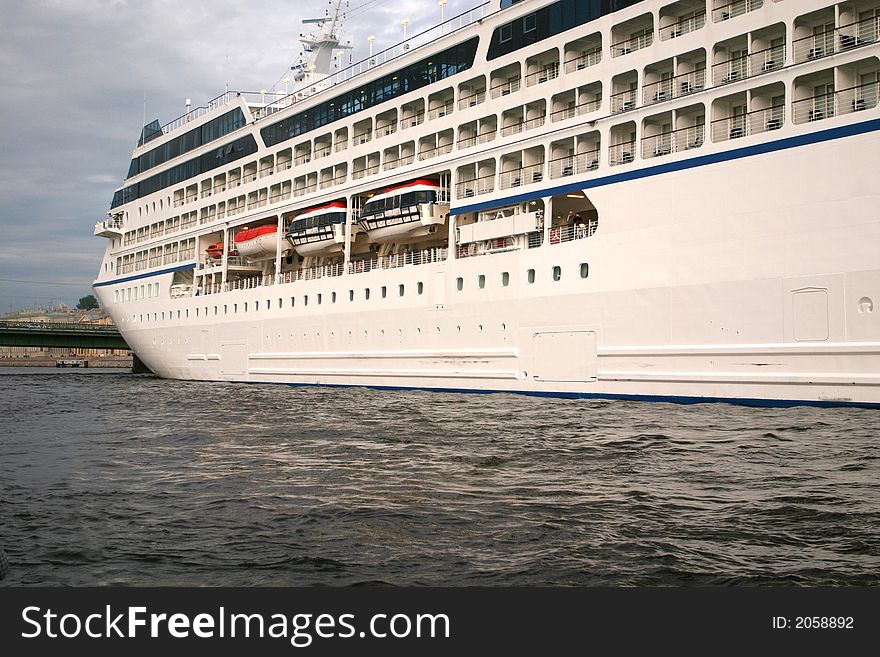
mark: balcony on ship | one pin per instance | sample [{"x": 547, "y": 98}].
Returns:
[
  {"x": 505, "y": 81},
  {"x": 441, "y": 103},
  {"x": 583, "y": 53},
  {"x": 386, "y": 123},
  {"x": 412, "y": 114},
  {"x": 820, "y": 34},
  {"x": 472, "y": 93},
  {"x": 542, "y": 67},
  {"x": 681, "y": 18},
  {"x": 632, "y": 35},
  {"x": 340, "y": 140},
  {"x": 111, "y": 227},
  {"x": 724, "y": 10},
  {"x": 624, "y": 87},
  {"x": 575, "y": 156},
  {"x": 658, "y": 84},
  {"x": 475, "y": 179},
  {"x": 323, "y": 146},
  {"x": 622, "y": 144},
  {"x": 524, "y": 167},
  {"x": 844, "y": 90},
  {"x": 435, "y": 144},
  {"x": 740, "y": 115},
  {"x": 675, "y": 131}
]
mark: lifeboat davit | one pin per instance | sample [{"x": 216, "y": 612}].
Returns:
[
  {"x": 318, "y": 231},
  {"x": 215, "y": 251},
  {"x": 258, "y": 243},
  {"x": 407, "y": 210}
]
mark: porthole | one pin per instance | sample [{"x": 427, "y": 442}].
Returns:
[
  {"x": 503, "y": 326},
  {"x": 333, "y": 297},
  {"x": 305, "y": 299},
  {"x": 459, "y": 283},
  {"x": 557, "y": 272},
  {"x": 530, "y": 276},
  {"x": 458, "y": 329},
  {"x": 351, "y": 295},
  {"x": 505, "y": 279},
  {"x": 480, "y": 328},
  {"x": 320, "y": 298},
  {"x": 268, "y": 304},
  {"x": 384, "y": 291},
  {"x": 400, "y": 289},
  {"x": 420, "y": 287},
  {"x": 367, "y": 293},
  {"x": 481, "y": 281},
  {"x": 585, "y": 269}
]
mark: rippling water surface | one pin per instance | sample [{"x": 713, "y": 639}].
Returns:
[{"x": 112, "y": 478}]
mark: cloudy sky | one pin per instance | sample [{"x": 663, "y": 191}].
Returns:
[{"x": 74, "y": 75}]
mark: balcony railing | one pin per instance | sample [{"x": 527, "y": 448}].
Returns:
[
  {"x": 387, "y": 129},
  {"x": 400, "y": 162},
  {"x": 684, "y": 26},
  {"x": 585, "y": 59},
  {"x": 303, "y": 159},
  {"x": 675, "y": 87},
  {"x": 395, "y": 260},
  {"x": 572, "y": 165},
  {"x": 439, "y": 112},
  {"x": 845, "y": 101},
  {"x": 475, "y": 186},
  {"x": 505, "y": 88},
  {"x": 311, "y": 273},
  {"x": 621, "y": 153},
  {"x": 623, "y": 101},
  {"x": 427, "y": 154},
  {"x": 751, "y": 123},
  {"x": 412, "y": 121},
  {"x": 528, "y": 175},
  {"x": 576, "y": 231},
  {"x": 548, "y": 73},
  {"x": 829, "y": 42},
  {"x": 632, "y": 44},
  {"x": 734, "y": 9},
  {"x": 673, "y": 141},
  {"x": 341, "y": 145},
  {"x": 472, "y": 100}
]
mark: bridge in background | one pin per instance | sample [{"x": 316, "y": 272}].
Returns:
[{"x": 60, "y": 334}]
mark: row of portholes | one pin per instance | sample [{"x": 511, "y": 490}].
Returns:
[
  {"x": 145, "y": 208},
  {"x": 136, "y": 292},
  {"x": 555, "y": 275},
  {"x": 350, "y": 334}
]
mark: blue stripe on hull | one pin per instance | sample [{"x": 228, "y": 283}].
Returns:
[
  {"x": 670, "y": 399},
  {"x": 170, "y": 270}
]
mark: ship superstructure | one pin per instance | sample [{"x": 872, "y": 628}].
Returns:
[{"x": 615, "y": 198}]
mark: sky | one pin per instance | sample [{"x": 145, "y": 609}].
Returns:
[{"x": 74, "y": 76}]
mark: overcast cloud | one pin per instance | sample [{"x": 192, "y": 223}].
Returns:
[{"x": 74, "y": 76}]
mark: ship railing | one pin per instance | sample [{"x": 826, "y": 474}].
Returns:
[
  {"x": 836, "y": 40},
  {"x": 623, "y": 101},
  {"x": 475, "y": 186},
  {"x": 734, "y": 9},
  {"x": 181, "y": 291},
  {"x": 472, "y": 100},
  {"x": 412, "y": 121},
  {"x": 684, "y": 26},
  {"x": 302, "y": 159},
  {"x": 632, "y": 44},
  {"x": 400, "y": 162},
  {"x": 311, "y": 273},
  {"x": 395, "y": 260},
  {"x": 505, "y": 88},
  {"x": 751, "y": 123},
  {"x": 845, "y": 101},
  {"x": 323, "y": 152},
  {"x": 332, "y": 182},
  {"x": 443, "y": 110},
  {"x": 249, "y": 282},
  {"x": 572, "y": 165},
  {"x": 284, "y": 165},
  {"x": 673, "y": 141},
  {"x": 340, "y": 145},
  {"x": 429, "y": 153},
  {"x": 549, "y": 72},
  {"x": 578, "y": 230},
  {"x": 582, "y": 61},
  {"x": 527, "y": 175},
  {"x": 621, "y": 153},
  {"x": 750, "y": 65}
]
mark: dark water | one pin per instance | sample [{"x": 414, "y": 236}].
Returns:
[{"x": 111, "y": 478}]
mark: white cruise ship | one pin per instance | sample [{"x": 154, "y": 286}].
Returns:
[{"x": 648, "y": 199}]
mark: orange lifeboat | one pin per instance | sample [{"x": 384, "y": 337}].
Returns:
[
  {"x": 215, "y": 251},
  {"x": 257, "y": 243}
]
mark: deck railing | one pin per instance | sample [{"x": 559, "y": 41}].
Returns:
[
  {"x": 582, "y": 61},
  {"x": 572, "y": 165},
  {"x": 632, "y": 44},
  {"x": 673, "y": 141},
  {"x": 840, "y": 39},
  {"x": 475, "y": 186},
  {"x": 845, "y": 101},
  {"x": 684, "y": 26},
  {"x": 734, "y": 9},
  {"x": 751, "y": 123},
  {"x": 395, "y": 260}
]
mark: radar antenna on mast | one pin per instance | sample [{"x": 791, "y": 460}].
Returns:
[{"x": 321, "y": 46}]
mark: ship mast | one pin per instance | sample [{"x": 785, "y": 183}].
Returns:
[{"x": 321, "y": 47}]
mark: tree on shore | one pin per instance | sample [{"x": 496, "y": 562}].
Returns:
[{"x": 87, "y": 302}]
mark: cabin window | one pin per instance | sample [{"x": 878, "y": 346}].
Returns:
[
  {"x": 585, "y": 269},
  {"x": 333, "y": 297},
  {"x": 400, "y": 290},
  {"x": 280, "y": 304},
  {"x": 351, "y": 295},
  {"x": 531, "y": 276},
  {"x": 505, "y": 279},
  {"x": 481, "y": 281},
  {"x": 256, "y": 306},
  {"x": 459, "y": 283},
  {"x": 305, "y": 299},
  {"x": 268, "y": 304},
  {"x": 320, "y": 298},
  {"x": 420, "y": 287},
  {"x": 557, "y": 273},
  {"x": 367, "y": 293},
  {"x": 384, "y": 291}
]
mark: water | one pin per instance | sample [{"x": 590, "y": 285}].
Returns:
[{"x": 112, "y": 478}]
